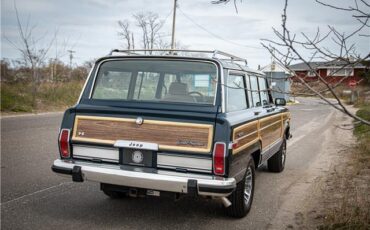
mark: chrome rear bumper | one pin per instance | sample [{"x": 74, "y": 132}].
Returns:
[{"x": 146, "y": 178}]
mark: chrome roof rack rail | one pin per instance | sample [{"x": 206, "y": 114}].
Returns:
[{"x": 215, "y": 53}]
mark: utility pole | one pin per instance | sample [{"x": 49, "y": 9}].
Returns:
[
  {"x": 70, "y": 61},
  {"x": 173, "y": 24}
]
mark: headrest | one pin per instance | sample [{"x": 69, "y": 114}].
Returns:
[{"x": 178, "y": 88}]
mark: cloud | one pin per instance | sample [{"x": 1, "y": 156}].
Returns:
[{"x": 92, "y": 24}]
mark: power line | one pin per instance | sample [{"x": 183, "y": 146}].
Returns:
[{"x": 215, "y": 35}]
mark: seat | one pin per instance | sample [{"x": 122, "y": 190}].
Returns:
[{"x": 178, "y": 92}]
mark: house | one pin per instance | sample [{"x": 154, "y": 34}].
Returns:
[
  {"x": 332, "y": 71},
  {"x": 279, "y": 79}
]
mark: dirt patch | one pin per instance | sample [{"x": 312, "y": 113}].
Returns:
[{"x": 334, "y": 192}]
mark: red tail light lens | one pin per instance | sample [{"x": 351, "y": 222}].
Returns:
[
  {"x": 64, "y": 143},
  {"x": 219, "y": 153}
]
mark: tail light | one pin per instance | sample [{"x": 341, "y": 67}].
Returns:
[
  {"x": 64, "y": 149},
  {"x": 219, "y": 153}
]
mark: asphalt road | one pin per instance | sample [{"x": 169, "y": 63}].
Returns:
[{"x": 32, "y": 197}]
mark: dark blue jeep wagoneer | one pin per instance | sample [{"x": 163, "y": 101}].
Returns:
[{"x": 179, "y": 123}]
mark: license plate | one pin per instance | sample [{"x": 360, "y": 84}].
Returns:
[{"x": 138, "y": 157}]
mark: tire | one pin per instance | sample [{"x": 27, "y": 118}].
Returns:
[
  {"x": 240, "y": 202},
  {"x": 277, "y": 162}
]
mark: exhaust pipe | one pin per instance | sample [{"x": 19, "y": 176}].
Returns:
[{"x": 226, "y": 202}]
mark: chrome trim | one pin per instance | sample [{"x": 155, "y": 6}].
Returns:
[
  {"x": 185, "y": 169},
  {"x": 270, "y": 151},
  {"x": 90, "y": 152},
  {"x": 186, "y": 162},
  {"x": 83, "y": 88},
  {"x": 95, "y": 158},
  {"x": 267, "y": 148},
  {"x": 143, "y": 58},
  {"x": 136, "y": 145},
  {"x": 222, "y": 86},
  {"x": 137, "y": 177}
]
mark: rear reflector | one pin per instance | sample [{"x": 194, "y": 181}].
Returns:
[
  {"x": 219, "y": 152},
  {"x": 64, "y": 149}
]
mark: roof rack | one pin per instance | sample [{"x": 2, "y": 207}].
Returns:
[{"x": 225, "y": 56}]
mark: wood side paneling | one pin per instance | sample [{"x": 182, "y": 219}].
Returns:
[
  {"x": 267, "y": 130},
  {"x": 270, "y": 130},
  {"x": 245, "y": 135},
  {"x": 168, "y": 135}
]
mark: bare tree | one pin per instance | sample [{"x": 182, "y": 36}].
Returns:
[
  {"x": 125, "y": 34},
  {"x": 33, "y": 50},
  {"x": 225, "y": 2},
  {"x": 154, "y": 25},
  {"x": 150, "y": 26},
  {"x": 143, "y": 24},
  {"x": 289, "y": 47}
]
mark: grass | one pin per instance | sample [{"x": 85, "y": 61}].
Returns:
[
  {"x": 17, "y": 97},
  {"x": 353, "y": 182}
]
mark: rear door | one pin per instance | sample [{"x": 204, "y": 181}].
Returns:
[
  {"x": 165, "y": 110},
  {"x": 270, "y": 122}
]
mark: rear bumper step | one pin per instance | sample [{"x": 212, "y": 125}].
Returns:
[{"x": 147, "y": 178}]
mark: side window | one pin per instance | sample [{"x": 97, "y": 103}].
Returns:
[
  {"x": 236, "y": 99},
  {"x": 255, "y": 91},
  {"x": 263, "y": 90},
  {"x": 249, "y": 92},
  {"x": 112, "y": 85}
]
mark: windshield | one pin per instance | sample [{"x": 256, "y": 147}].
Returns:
[{"x": 157, "y": 80}]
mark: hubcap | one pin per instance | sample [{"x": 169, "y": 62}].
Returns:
[{"x": 248, "y": 185}]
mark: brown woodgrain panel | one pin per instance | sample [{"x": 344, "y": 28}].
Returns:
[
  {"x": 285, "y": 116},
  {"x": 168, "y": 135},
  {"x": 245, "y": 135},
  {"x": 270, "y": 129}
]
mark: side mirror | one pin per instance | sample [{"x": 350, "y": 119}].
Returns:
[{"x": 280, "y": 102}]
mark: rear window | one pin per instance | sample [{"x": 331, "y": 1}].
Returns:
[{"x": 156, "y": 80}]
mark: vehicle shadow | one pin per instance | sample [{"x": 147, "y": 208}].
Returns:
[{"x": 90, "y": 208}]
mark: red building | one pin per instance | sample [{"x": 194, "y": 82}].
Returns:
[{"x": 332, "y": 71}]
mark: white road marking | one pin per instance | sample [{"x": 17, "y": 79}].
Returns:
[{"x": 34, "y": 193}]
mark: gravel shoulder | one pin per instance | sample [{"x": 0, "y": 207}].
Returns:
[{"x": 310, "y": 203}]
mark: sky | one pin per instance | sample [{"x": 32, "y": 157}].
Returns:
[{"x": 89, "y": 27}]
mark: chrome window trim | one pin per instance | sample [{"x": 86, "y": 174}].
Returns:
[
  {"x": 236, "y": 73},
  {"x": 177, "y": 59},
  {"x": 258, "y": 85},
  {"x": 84, "y": 87}
]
